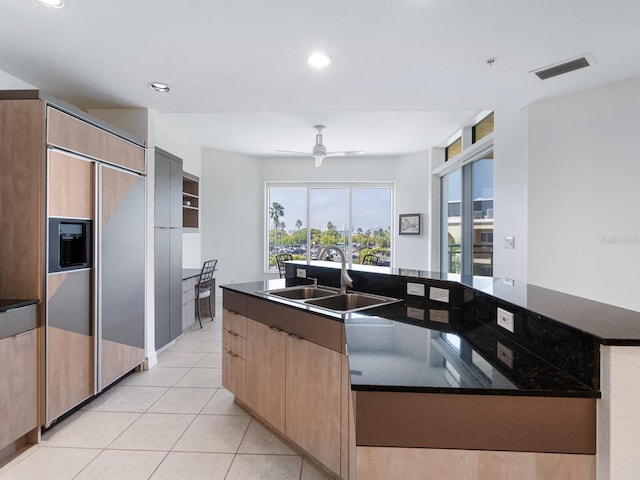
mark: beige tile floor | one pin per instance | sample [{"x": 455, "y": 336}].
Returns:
[{"x": 175, "y": 421}]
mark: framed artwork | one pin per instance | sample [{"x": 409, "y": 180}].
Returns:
[{"x": 410, "y": 224}]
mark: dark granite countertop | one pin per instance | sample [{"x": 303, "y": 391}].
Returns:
[
  {"x": 10, "y": 304},
  {"x": 423, "y": 346},
  {"x": 611, "y": 325}
]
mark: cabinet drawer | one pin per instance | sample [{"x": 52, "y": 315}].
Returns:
[
  {"x": 234, "y": 343},
  {"x": 234, "y": 374},
  {"x": 234, "y": 322},
  {"x": 70, "y": 133}
]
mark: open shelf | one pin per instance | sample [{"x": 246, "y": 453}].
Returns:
[{"x": 190, "y": 201}]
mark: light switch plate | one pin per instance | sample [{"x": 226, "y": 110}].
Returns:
[
  {"x": 509, "y": 242},
  {"x": 415, "y": 289},
  {"x": 439, "y": 294},
  {"x": 505, "y": 320},
  {"x": 301, "y": 272}
]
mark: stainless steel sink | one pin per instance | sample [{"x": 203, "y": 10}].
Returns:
[
  {"x": 351, "y": 302},
  {"x": 302, "y": 292}
]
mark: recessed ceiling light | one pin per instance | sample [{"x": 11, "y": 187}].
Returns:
[
  {"x": 160, "y": 87},
  {"x": 51, "y": 3},
  {"x": 319, "y": 60}
]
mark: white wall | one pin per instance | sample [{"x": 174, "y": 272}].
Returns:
[
  {"x": 413, "y": 195},
  {"x": 340, "y": 169},
  {"x": 9, "y": 82},
  {"x": 584, "y": 225},
  {"x": 231, "y": 199},
  {"x": 510, "y": 194}
]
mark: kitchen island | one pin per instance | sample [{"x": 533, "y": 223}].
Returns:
[{"x": 431, "y": 383}]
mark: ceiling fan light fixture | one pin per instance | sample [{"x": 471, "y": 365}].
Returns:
[
  {"x": 51, "y": 3},
  {"x": 319, "y": 60},
  {"x": 159, "y": 87}
]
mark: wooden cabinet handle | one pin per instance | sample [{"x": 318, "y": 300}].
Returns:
[
  {"x": 234, "y": 355},
  {"x": 275, "y": 329},
  {"x": 233, "y": 334},
  {"x": 295, "y": 336}
]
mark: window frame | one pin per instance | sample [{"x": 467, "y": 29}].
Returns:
[
  {"x": 463, "y": 161},
  {"x": 350, "y": 186}
]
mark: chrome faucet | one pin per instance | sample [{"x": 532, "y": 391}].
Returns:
[{"x": 345, "y": 279}]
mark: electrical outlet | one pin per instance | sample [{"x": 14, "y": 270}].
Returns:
[
  {"x": 439, "y": 294},
  {"x": 505, "y": 320},
  {"x": 415, "y": 289},
  {"x": 415, "y": 313},
  {"x": 505, "y": 355},
  {"x": 301, "y": 272},
  {"x": 509, "y": 242},
  {"x": 441, "y": 316}
]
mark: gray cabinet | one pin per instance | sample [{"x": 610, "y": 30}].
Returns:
[{"x": 168, "y": 247}]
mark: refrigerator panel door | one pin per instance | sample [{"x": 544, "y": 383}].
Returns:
[{"x": 122, "y": 273}]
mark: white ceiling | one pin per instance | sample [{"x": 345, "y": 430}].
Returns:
[{"x": 406, "y": 73}]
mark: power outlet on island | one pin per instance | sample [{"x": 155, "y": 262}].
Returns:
[
  {"x": 439, "y": 294},
  {"x": 505, "y": 320},
  {"x": 301, "y": 272},
  {"x": 415, "y": 289}
]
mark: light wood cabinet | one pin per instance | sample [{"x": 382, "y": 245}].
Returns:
[
  {"x": 313, "y": 400},
  {"x": 18, "y": 386},
  {"x": 234, "y": 362},
  {"x": 76, "y": 135},
  {"x": 266, "y": 372}
]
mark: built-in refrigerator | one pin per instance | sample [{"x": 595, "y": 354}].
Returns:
[{"x": 95, "y": 328}]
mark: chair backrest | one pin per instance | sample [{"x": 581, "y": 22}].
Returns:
[
  {"x": 370, "y": 259},
  {"x": 206, "y": 274},
  {"x": 280, "y": 259}
]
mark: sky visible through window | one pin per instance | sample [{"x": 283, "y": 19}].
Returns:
[{"x": 371, "y": 207}]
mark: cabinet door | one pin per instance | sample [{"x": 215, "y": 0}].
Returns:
[
  {"x": 18, "y": 386},
  {"x": 234, "y": 374},
  {"x": 175, "y": 282},
  {"x": 266, "y": 372},
  {"x": 313, "y": 399},
  {"x": 162, "y": 196}
]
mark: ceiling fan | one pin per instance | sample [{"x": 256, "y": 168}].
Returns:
[{"x": 319, "y": 151}]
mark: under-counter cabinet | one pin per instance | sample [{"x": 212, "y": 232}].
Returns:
[
  {"x": 293, "y": 384},
  {"x": 18, "y": 374},
  {"x": 234, "y": 345},
  {"x": 266, "y": 372},
  {"x": 313, "y": 401}
]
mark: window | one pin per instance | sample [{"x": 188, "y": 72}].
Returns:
[
  {"x": 302, "y": 218},
  {"x": 483, "y": 128},
  {"x": 467, "y": 207},
  {"x": 453, "y": 149}
]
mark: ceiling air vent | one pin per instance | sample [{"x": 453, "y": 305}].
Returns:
[{"x": 561, "y": 68}]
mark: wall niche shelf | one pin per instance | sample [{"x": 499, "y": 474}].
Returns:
[{"x": 190, "y": 202}]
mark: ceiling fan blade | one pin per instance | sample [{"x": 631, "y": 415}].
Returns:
[
  {"x": 318, "y": 159},
  {"x": 345, "y": 154},
  {"x": 306, "y": 154}
]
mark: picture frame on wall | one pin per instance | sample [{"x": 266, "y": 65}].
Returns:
[{"x": 410, "y": 224}]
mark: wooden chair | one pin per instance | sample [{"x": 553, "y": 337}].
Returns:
[
  {"x": 280, "y": 259},
  {"x": 370, "y": 259},
  {"x": 204, "y": 286}
]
